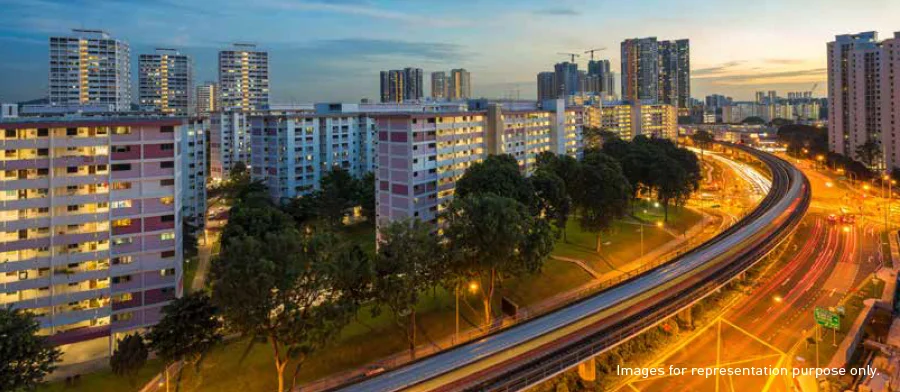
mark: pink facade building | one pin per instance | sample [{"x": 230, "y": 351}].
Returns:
[{"x": 90, "y": 213}]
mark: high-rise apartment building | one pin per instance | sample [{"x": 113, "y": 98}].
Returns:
[
  {"x": 292, "y": 151},
  {"x": 656, "y": 71},
  {"x": 402, "y": 85},
  {"x": 606, "y": 78},
  {"x": 546, "y": 86},
  {"x": 165, "y": 82},
  {"x": 629, "y": 120},
  {"x": 243, "y": 78},
  {"x": 89, "y": 68},
  {"x": 854, "y": 92},
  {"x": 566, "y": 79},
  {"x": 420, "y": 156},
  {"x": 675, "y": 73},
  {"x": 890, "y": 100},
  {"x": 439, "y": 85},
  {"x": 207, "y": 95},
  {"x": 459, "y": 86},
  {"x": 90, "y": 217},
  {"x": 193, "y": 170},
  {"x": 229, "y": 142}
]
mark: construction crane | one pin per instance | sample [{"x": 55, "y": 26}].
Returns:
[
  {"x": 813, "y": 89},
  {"x": 573, "y": 55},
  {"x": 594, "y": 50}
]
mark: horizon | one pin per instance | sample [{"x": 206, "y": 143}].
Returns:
[{"x": 341, "y": 46}]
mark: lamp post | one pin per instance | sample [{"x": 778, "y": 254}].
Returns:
[{"x": 473, "y": 287}]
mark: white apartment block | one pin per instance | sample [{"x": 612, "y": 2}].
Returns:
[
  {"x": 243, "y": 78},
  {"x": 229, "y": 142},
  {"x": 420, "y": 156},
  {"x": 854, "y": 92},
  {"x": 628, "y": 121},
  {"x": 206, "y": 97},
  {"x": 89, "y": 215},
  {"x": 166, "y": 82},
  {"x": 90, "y": 68},
  {"x": 291, "y": 151},
  {"x": 890, "y": 106},
  {"x": 193, "y": 170}
]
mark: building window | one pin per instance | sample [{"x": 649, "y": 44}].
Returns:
[
  {"x": 167, "y": 129},
  {"x": 167, "y": 218},
  {"x": 167, "y": 254},
  {"x": 121, "y": 204},
  {"x": 122, "y": 260},
  {"x": 167, "y": 272},
  {"x": 122, "y": 223},
  {"x": 121, "y": 166},
  {"x": 167, "y": 182},
  {"x": 122, "y": 316},
  {"x": 122, "y": 131},
  {"x": 167, "y": 236},
  {"x": 167, "y": 164},
  {"x": 166, "y": 147},
  {"x": 121, "y": 186},
  {"x": 167, "y": 200}
]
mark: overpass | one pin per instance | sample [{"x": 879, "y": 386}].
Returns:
[{"x": 526, "y": 354}]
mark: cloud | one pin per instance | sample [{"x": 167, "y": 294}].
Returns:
[
  {"x": 364, "y": 47},
  {"x": 783, "y": 61},
  {"x": 716, "y": 69},
  {"x": 768, "y": 77},
  {"x": 557, "y": 12},
  {"x": 360, "y": 8}
]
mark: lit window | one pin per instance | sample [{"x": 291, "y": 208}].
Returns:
[
  {"x": 121, "y": 204},
  {"x": 167, "y": 236},
  {"x": 167, "y": 200},
  {"x": 122, "y": 223}
]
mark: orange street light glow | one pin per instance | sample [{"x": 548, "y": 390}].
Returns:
[{"x": 473, "y": 287}]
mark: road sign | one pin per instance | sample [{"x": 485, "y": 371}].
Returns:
[{"x": 827, "y": 319}]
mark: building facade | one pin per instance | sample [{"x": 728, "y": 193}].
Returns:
[
  {"x": 420, "y": 156},
  {"x": 207, "y": 95},
  {"x": 229, "y": 143},
  {"x": 459, "y": 86},
  {"x": 90, "y": 68},
  {"x": 243, "y": 78},
  {"x": 193, "y": 170},
  {"x": 656, "y": 72},
  {"x": 629, "y": 120},
  {"x": 854, "y": 92},
  {"x": 401, "y": 85},
  {"x": 546, "y": 86},
  {"x": 292, "y": 151},
  {"x": 90, "y": 213},
  {"x": 165, "y": 82},
  {"x": 438, "y": 85}
]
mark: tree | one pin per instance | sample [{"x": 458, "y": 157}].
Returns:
[
  {"x": 493, "y": 238},
  {"x": 565, "y": 167},
  {"x": 365, "y": 195},
  {"x": 674, "y": 183},
  {"x": 338, "y": 193},
  {"x": 295, "y": 292},
  {"x": 25, "y": 357},
  {"x": 255, "y": 221},
  {"x": 868, "y": 152},
  {"x": 606, "y": 193},
  {"x": 189, "y": 328},
  {"x": 753, "y": 120},
  {"x": 129, "y": 357},
  {"x": 553, "y": 201},
  {"x": 497, "y": 174},
  {"x": 702, "y": 139},
  {"x": 304, "y": 209},
  {"x": 409, "y": 262}
]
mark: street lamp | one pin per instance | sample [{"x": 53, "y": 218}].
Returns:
[{"x": 473, "y": 287}]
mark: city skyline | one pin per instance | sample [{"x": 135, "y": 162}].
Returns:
[{"x": 733, "y": 51}]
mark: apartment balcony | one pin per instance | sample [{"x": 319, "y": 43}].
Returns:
[
  {"x": 74, "y": 316},
  {"x": 13, "y": 144},
  {"x": 24, "y": 222},
  {"x": 85, "y": 179},
  {"x": 79, "y": 257},
  {"x": 23, "y": 204},
  {"x": 80, "y": 197},
  {"x": 81, "y": 218},
  {"x": 80, "y": 160},
  {"x": 33, "y": 282},
  {"x": 75, "y": 276},
  {"x": 33, "y": 263},
  {"x": 8, "y": 246},
  {"x": 79, "y": 334},
  {"x": 81, "y": 141},
  {"x": 76, "y": 295}
]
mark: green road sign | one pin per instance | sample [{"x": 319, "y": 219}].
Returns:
[{"x": 827, "y": 319}]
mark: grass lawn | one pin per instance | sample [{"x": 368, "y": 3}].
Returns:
[
  {"x": 106, "y": 381},
  {"x": 622, "y": 242}
]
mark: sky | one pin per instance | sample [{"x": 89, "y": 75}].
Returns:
[{"x": 333, "y": 50}]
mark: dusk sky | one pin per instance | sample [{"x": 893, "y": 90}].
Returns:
[{"x": 333, "y": 50}]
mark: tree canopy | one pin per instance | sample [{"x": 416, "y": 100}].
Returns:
[
  {"x": 189, "y": 328},
  {"x": 497, "y": 174},
  {"x": 129, "y": 357},
  {"x": 25, "y": 357}
]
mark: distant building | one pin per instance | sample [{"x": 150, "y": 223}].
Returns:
[
  {"x": 165, "y": 82},
  {"x": 243, "y": 78},
  {"x": 229, "y": 143},
  {"x": 439, "y": 85},
  {"x": 656, "y": 71},
  {"x": 207, "y": 95},
  {"x": 566, "y": 79},
  {"x": 8, "y": 111},
  {"x": 402, "y": 85},
  {"x": 459, "y": 86},
  {"x": 630, "y": 120},
  {"x": 854, "y": 92},
  {"x": 546, "y": 86},
  {"x": 90, "y": 68},
  {"x": 605, "y": 77}
]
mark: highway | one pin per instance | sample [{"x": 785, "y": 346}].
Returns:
[{"x": 528, "y": 353}]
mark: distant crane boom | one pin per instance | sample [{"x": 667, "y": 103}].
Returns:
[
  {"x": 572, "y": 55},
  {"x": 594, "y": 50}
]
